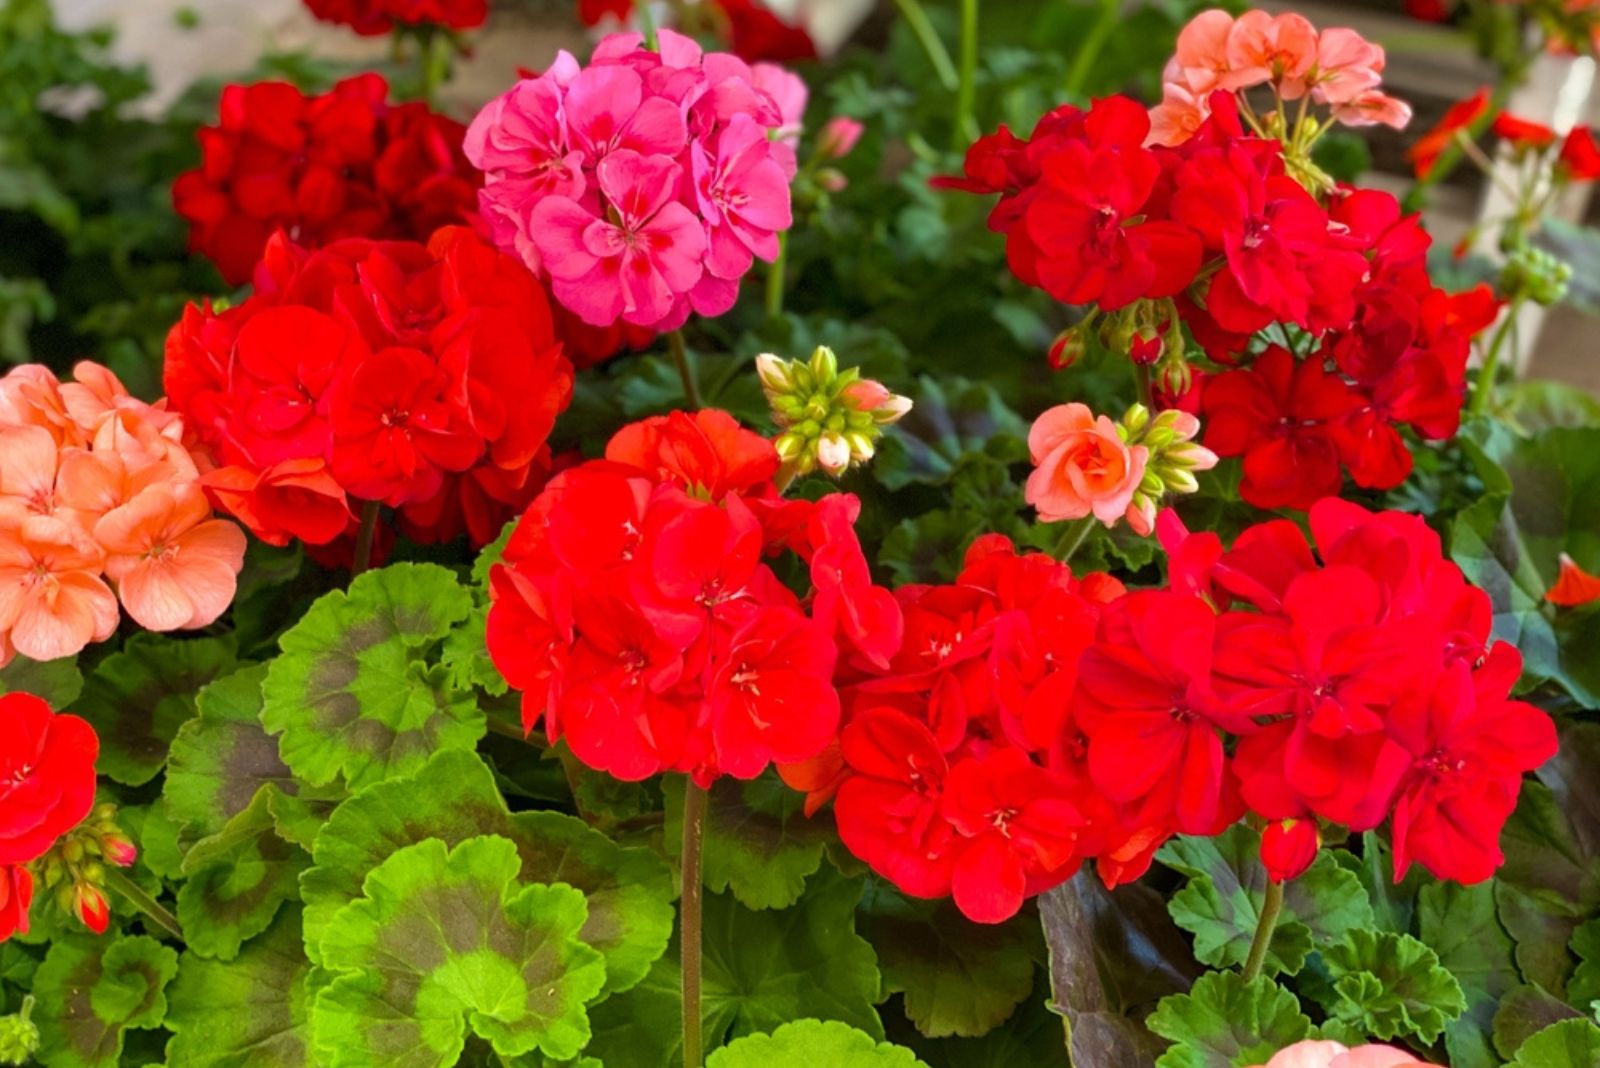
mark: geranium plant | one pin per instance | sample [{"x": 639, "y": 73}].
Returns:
[{"x": 712, "y": 563}]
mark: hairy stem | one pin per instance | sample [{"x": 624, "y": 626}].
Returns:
[
  {"x": 364, "y": 536},
  {"x": 928, "y": 38},
  {"x": 963, "y": 128},
  {"x": 694, "y": 833},
  {"x": 135, "y": 896},
  {"x": 680, "y": 358},
  {"x": 1073, "y": 537},
  {"x": 1491, "y": 361},
  {"x": 1270, "y": 908},
  {"x": 775, "y": 278}
]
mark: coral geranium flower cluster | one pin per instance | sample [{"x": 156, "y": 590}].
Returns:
[
  {"x": 98, "y": 490},
  {"x": 47, "y": 785},
  {"x": 644, "y": 185},
  {"x": 635, "y": 610},
  {"x": 425, "y": 377},
  {"x": 343, "y": 164},
  {"x": 1354, "y": 688},
  {"x": 373, "y": 18},
  {"x": 1224, "y": 233}
]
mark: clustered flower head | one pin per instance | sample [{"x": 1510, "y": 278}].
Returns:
[
  {"x": 374, "y": 18},
  {"x": 320, "y": 168},
  {"x": 1218, "y": 238},
  {"x": 99, "y": 490},
  {"x": 1086, "y": 464},
  {"x": 636, "y": 612},
  {"x": 47, "y": 787},
  {"x": 644, "y": 185},
  {"x": 831, "y": 419},
  {"x": 425, "y": 377}
]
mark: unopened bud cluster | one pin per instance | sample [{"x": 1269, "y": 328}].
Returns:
[
  {"x": 831, "y": 419},
  {"x": 19, "y": 1035},
  {"x": 1148, "y": 331},
  {"x": 1174, "y": 457},
  {"x": 74, "y": 871},
  {"x": 1534, "y": 274}
]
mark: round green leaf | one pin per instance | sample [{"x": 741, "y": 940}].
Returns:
[
  {"x": 354, "y": 693},
  {"x": 809, "y": 1043},
  {"x": 236, "y": 880},
  {"x": 1390, "y": 986},
  {"x": 453, "y": 798},
  {"x": 1568, "y": 1044},
  {"x": 1224, "y": 1021},
  {"x": 250, "y": 1012},
  {"x": 444, "y": 940},
  {"x": 759, "y": 844},
  {"x": 91, "y": 991}
]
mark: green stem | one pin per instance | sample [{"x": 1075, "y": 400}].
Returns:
[
  {"x": 680, "y": 357},
  {"x": 775, "y": 278},
  {"x": 433, "y": 61},
  {"x": 963, "y": 128},
  {"x": 364, "y": 535},
  {"x": 1105, "y": 21},
  {"x": 1491, "y": 361},
  {"x": 135, "y": 896},
  {"x": 923, "y": 30},
  {"x": 1270, "y": 908},
  {"x": 694, "y": 832},
  {"x": 1416, "y": 197},
  {"x": 1073, "y": 537},
  {"x": 647, "y": 23},
  {"x": 501, "y": 727},
  {"x": 1141, "y": 384}
]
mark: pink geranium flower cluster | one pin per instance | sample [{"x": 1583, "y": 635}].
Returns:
[
  {"x": 644, "y": 185},
  {"x": 97, "y": 487},
  {"x": 1337, "y": 68}
]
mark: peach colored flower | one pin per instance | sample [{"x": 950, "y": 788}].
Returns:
[
  {"x": 1347, "y": 65},
  {"x": 28, "y": 476},
  {"x": 1201, "y": 61},
  {"x": 1267, "y": 48},
  {"x": 1314, "y": 1053},
  {"x": 1081, "y": 466},
  {"x": 31, "y": 396},
  {"x": 51, "y": 597},
  {"x": 1177, "y": 117},
  {"x": 1372, "y": 108},
  {"x": 174, "y": 566}
]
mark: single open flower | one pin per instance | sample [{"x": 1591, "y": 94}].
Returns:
[{"x": 1082, "y": 466}]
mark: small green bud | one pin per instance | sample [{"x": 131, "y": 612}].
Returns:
[{"x": 19, "y": 1037}]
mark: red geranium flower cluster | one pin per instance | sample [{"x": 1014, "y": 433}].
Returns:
[
  {"x": 343, "y": 164},
  {"x": 47, "y": 784},
  {"x": 426, "y": 377},
  {"x": 374, "y": 18},
  {"x": 960, "y": 767},
  {"x": 1351, "y": 689},
  {"x": 1217, "y": 235},
  {"x": 635, "y": 611}
]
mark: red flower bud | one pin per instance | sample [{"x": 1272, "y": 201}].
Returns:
[
  {"x": 92, "y": 907},
  {"x": 1288, "y": 847},
  {"x": 1066, "y": 350}
]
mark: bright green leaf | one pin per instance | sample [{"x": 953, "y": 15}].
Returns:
[
  {"x": 448, "y": 940},
  {"x": 236, "y": 880},
  {"x": 1390, "y": 986},
  {"x": 759, "y": 843},
  {"x": 453, "y": 798},
  {"x": 809, "y": 1044},
  {"x": 1223, "y": 1022},
  {"x": 353, "y": 693},
  {"x": 1568, "y": 1044},
  {"x": 91, "y": 991},
  {"x": 761, "y": 970},
  {"x": 138, "y": 698},
  {"x": 250, "y": 1012},
  {"x": 958, "y": 977},
  {"x": 1227, "y": 889}
]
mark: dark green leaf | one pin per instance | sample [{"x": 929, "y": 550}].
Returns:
[
  {"x": 1224, "y": 1022},
  {"x": 759, "y": 843},
  {"x": 250, "y": 1012},
  {"x": 1390, "y": 986},
  {"x": 92, "y": 991}
]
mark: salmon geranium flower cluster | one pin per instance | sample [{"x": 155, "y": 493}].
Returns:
[
  {"x": 423, "y": 377},
  {"x": 101, "y": 501},
  {"x": 645, "y": 185}
]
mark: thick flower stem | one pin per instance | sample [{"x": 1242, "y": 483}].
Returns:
[
  {"x": 135, "y": 895},
  {"x": 694, "y": 833},
  {"x": 775, "y": 278},
  {"x": 1270, "y": 908},
  {"x": 964, "y": 128},
  {"x": 928, "y": 37},
  {"x": 680, "y": 358},
  {"x": 364, "y": 535},
  {"x": 1491, "y": 361},
  {"x": 647, "y": 24},
  {"x": 432, "y": 60},
  {"x": 1141, "y": 385},
  {"x": 1073, "y": 537}
]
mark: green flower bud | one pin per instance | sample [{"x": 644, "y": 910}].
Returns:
[{"x": 19, "y": 1037}]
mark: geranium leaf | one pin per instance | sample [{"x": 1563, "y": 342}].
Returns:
[
  {"x": 1227, "y": 889},
  {"x": 453, "y": 798},
  {"x": 950, "y": 417},
  {"x": 1524, "y": 1012},
  {"x": 223, "y": 757},
  {"x": 1459, "y": 924},
  {"x": 1389, "y": 986},
  {"x": 91, "y": 991},
  {"x": 958, "y": 977},
  {"x": 59, "y": 682},
  {"x": 250, "y": 1012},
  {"x": 1568, "y": 1044},
  {"x": 447, "y": 940},
  {"x": 1584, "y": 986},
  {"x": 1224, "y": 1022},
  {"x": 761, "y": 970},
  {"x": 236, "y": 880},
  {"x": 759, "y": 844},
  {"x": 353, "y": 694},
  {"x": 1549, "y": 884},
  {"x": 138, "y": 698},
  {"x": 809, "y": 1043}
]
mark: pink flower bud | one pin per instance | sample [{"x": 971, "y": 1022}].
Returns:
[
  {"x": 838, "y": 137},
  {"x": 833, "y": 452},
  {"x": 865, "y": 395},
  {"x": 832, "y": 179},
  {"x": 92, "y": 907},
  {"x": 118, "y": 850}
]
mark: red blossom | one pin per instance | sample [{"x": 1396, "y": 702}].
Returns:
[
  {"x": 374, "y": 18},
  {"x": 1461, "y": 116},
  {"x": 47, "y": 776}
]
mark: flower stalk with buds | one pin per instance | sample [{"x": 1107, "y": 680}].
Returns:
[{"x": 831, "y": 420}]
